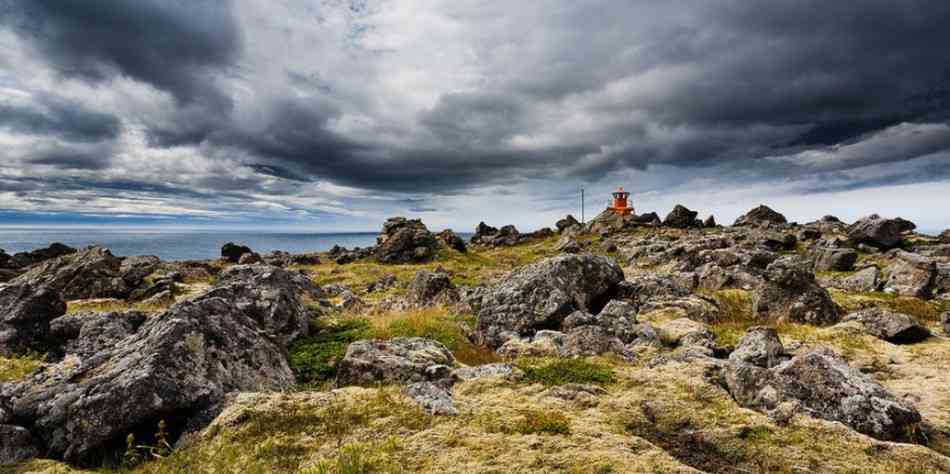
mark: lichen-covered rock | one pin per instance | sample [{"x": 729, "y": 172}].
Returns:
[
  {"x": 434, "y": 398},
  {"x": 25, "y": 315},
  {"x": 911, "y": 275},
  {"x": 181, "y": 362},
  {"x": 759, "y": 215},
  {"x": 499, "y": 369},
  {"x": 618, "y": 318},
  {"x": 16, "y": 445},
  {"x": 759, "y": 346},
  {"x": 685, "y": 332},
  {"x": 431, "y": 288},
  {"x": 135, "y": 269},
  {"x": 540, "y": 295},
  {"x": 835, "y": 260},
  {"x": 590, "y": 341},
  {"x": 877, "y": 231},
  {"x": 680, "y": 218},
  {"x": 862, "y": 281},
  {"x": 566, "y": 223},
  {"x": 896, "y": 328},
  {"x": 643, "y": 288},
  {"x": 402, "y": 360},
  {"x": 822, "y": 385},
  {"x": 86, "y": 334},
  {"x": 232, "y": 252},
  {"x": 405, "y": 240},
  {"x": 569, "y": 245},
  {"x": 698, "y": 308},
  {"x": 90, "y": 273},
  {"x": 452, "y": 240},
  {"x": 544, "y": 343},
  {"x": 791, "y": 294}
]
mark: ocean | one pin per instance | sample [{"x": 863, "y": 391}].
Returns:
[{"x": 179, "y": 245}]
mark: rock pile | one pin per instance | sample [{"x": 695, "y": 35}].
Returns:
[{"x": 405, "y": 240}]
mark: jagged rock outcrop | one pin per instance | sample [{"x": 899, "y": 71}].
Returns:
[
  {"x": 540, "y": 295},
  {"x": 90, "y": 273},
  {"x": 790, "y": 293},
  {"x": 25, "y": 315},
  {"x": 405, "y": 240},
  {"x": 568, "y": 244},
  {"x": 452, "y": 240},
  {"x": 710, "y": 222},
  {"x": 681, "y": 218},
  {"x": 507, "y": 236},
  {"x": 567, "y": 223},
  {"x": 835, "y": 260},
  {"x": 821, "y": 384},
  {"x": 863, "y": 281},
  {"x": 175, "y": 365},
  {"x": 22, "y": 260},
  {"x": 232, "y": 252},
  {"x": 877, "y": 231},
  {"x": 401, "y": 360},
  {"x": 911, "y": 275},
  {"x": 86, "y": 334},
  {"x": 760, "y": 214},
  {"x": 896, "y": 328}
]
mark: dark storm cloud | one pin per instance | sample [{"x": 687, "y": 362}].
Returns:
[
  {"x": 170, "y": 44},
  {"x": 60, "y": 118}
]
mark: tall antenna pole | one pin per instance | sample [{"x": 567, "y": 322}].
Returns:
[{"x": 582, "y": 206}]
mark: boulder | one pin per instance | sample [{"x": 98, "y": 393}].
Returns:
[
  {"x": 835, "y": 260},
  {"x": 232, "y": 252},
  {"x": 250, "y": 259},
  {"x": 433, "y": 398},
  {"x": 618, "y": 318},
  {"x": 483, "y": 230},
  {"x": 821, "y": 384},
  {"x": 544, "y": 343},
  {"x": 26, "y": 259},
  {"x": 710, "y": 222},
  {"x": 569, "y": 245},
  {"x": 759, "y": 346},
  {"x": 540, "y": 295},
  {"x": 759, "y": 215},
  {"x": 431, "y": 288},
  {"x": 134, "y": 270},
  {"x": 401, "y": 360},
  {"x": 452, "y": 240},
  {"x": 384, "y": 283},
  {"x": 862, "y": 281},
  {"x": 404, "y": 241},
  {"x": 16, "y": 445},
  {"x": 176, "y": 365},
  {"x": 86, "y": 334},
  {"x": 685, "y": 332},
  {"x": 911, "y": 275},
  {"x": 680, "y": 218},
  {"x": 90, "y": 273},
  {"x": 25, "y": 315},
  {"x": 586, "y": 341},
  {"x": 896, "y": 328},
  {"x": 790, "y": 294},
  {"x": 876, "y": 231},
  {"x": 566, "y": 223}
]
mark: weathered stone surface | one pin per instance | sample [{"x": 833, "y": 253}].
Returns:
[
  {"x": 405, "y": 240},
  {"x": 791, "y": 294},
  {"x": 822, "y": 384},
  {"x": 759, "y": 346},
  {"x": 540, "y": 295},
  {"x": 680, "y": 218},
  {"x": 566, "y": 223},
  {"x": 16, "y": 445},
  {"x": 25, "y": 315},
  {"x": 544, "y": 343},
  {"x": 401, "y": 360},
  {"x": 643, "y": 288},
  {"x": 499, "y": 369},
  {"x": 862, "y": 281},
  {"x": 759, "y": 215},
  {"x": 685, "y": 332},
  {"x": 250, "y": 259},
  {"x": 232, "y": 252},
  {"x": 710, "y": 222},
  {"x": 90, "y": 273},
  {"x": 876, "y": 231},
  {"x": 452, "y": 240},
  {"x": 431, "y": 288},
  {"x": 911, "y": 275},
  {"x": 176, "y": 364},
  {"x": 135, "y": 269},
  {"x": 835, "y": 260},
  {"x": 86, "y": 334},
  {"x": 435, "y": 399},
  {"x": 569, "y": 245},
  {"x": 896, "y": 328},
  {"x": 384, "y": 283},
  {"x": 590, "y": 341},
  {"x": 698, "y": 308},
  {"x": 26, "y": 259},
  {"x": 618, "y": 318}
]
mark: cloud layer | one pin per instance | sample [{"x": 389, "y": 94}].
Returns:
[{"x": 336, "y": 113}]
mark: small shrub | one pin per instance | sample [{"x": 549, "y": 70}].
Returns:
[
  {"x": 565, "y": 371},
  {"x": 314, "y": 358},
  {"x": 542, "y": 422}
]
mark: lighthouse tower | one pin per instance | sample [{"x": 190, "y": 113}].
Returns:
[{"x": 619, "y": 204}]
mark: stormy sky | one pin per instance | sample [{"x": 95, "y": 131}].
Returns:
[{"x": 334, "y": 114}]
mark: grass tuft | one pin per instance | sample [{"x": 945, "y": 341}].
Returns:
[{"x": 564, "y": 371}]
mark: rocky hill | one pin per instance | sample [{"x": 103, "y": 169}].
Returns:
[{"x": 630, "y": 344}]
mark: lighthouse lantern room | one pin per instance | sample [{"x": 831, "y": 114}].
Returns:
[{"x": 619, "y": 204}]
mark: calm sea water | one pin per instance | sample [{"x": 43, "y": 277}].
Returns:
[{"x": 179, "y": 245}]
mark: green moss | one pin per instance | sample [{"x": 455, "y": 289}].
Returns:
[
  {"x": 17, "y": 368},
  {"x": 314, "y": 358},
  {"x": 565, "y": 371}
]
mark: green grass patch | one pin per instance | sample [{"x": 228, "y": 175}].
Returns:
[
  {"x": 315, "y": 358},
  {"x": 564, "y": 371},
  {"x": 17, "y": 368}
]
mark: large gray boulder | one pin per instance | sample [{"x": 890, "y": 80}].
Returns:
[
  {"x": 175, "y": 366},
  {"x": 790, "y": 293},
  {"x": 540, "y": 295},
  {"x": 402, "y": 360},
  {"x": 911, "y": 275},
  {"x": 681, "y": 218},
  {"x": 759, "y": 215},
  {"x": 835, "y": 260},
  {"x": 90, "y": 273},
  {"x": 566, "y": 223},
  {"x": 86, "y": 334},
  {"x": 25, "y": 315},
  {"x": 821, "y": 384},
  {"x": 404, "y": 241},
  {"x": 877, "y": 231},
  {"x": 896, "y": 328},
  {"x": 862, "y": 281}
]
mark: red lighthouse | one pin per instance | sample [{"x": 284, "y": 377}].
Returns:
[{"x": 619, "y": 204}]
